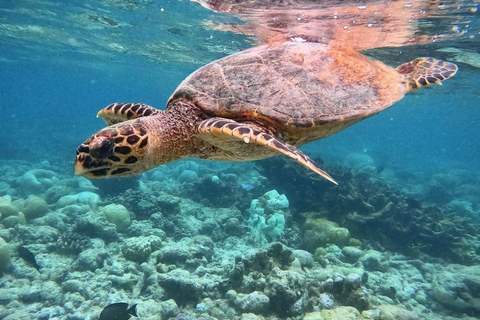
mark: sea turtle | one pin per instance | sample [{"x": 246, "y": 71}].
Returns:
[{"x": 251, "y": 105}]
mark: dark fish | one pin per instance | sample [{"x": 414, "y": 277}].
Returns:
[
  {"x": 118, "y": 311},
  {"x": 28, "y": 256}
]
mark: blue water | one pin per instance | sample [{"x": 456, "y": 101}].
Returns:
[
  {"x": 47, "y": 109},
  {"x": 50, "y": 99},
  {"x": 61, "y": 62}
]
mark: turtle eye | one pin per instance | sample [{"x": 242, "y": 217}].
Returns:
[{"x": 102, "y": 148}]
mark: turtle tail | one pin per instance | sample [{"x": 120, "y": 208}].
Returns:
[{"x": 426, "y": 71}]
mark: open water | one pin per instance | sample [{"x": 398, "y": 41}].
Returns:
[{"x": 63, "y": 61}]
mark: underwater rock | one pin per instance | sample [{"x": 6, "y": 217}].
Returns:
[
  {"x": 352, "y": 254},
  {"x": 188, "y": 176},
  {"x": 374, "y": 260},
  {"x": 326, "y": 301},
  {"x": 118, "y": 215},
  {"x": 36, "y": 234},
  {"x": 94, "y": 225},
  {"x": 138, "y": 249},
  {"x": 48, "y": 293},
  {"x": 12, "y": 221},
  {"x": 142, "y": 204},
  {"x": 458, "y": 287},
  {"x": 168, "y": 309},
  {"x": 35, "y": 207},
  {"x": 144, "y": 228},
  {"x": 359, "y": 161},
  {"x": 284, "y": 288},
  {"x": 89, "y": 198},
  {"x": 7, "y": 208},
  {"x": 305, "y": 257},
  {"x": 4, "y": 255},
  {"x": 389, "y": 312},
  {"x": 254, "y": 302},
  {"x": 340, "y": 313},
  {"x": 212, "y": 220},
  {"x": 266, "y": 259},
  {"x": 320, "y": 232},
  {"x": 233, "y": 227},
  {"x": 353, "y": 281},
  {"x": 181, "y": 286},
  {"x": 337, "y": 285},
  {"x": 188, "y": 253},
  {"x": 53, "y": 194},
  {"x": 91, "y": 259},
  {"x": 35, "y": 180},
  {"x": 251, "y": 316},
  {"x": 10, "y": 215}
]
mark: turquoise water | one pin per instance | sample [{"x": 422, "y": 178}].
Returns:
[{"x": 198, "y": 239}]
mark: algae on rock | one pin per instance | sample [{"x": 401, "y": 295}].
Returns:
[
  {"x": 319, "y": 232},
  {"x": 118, "y": 215}
]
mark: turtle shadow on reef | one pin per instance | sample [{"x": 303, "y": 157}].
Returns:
[{"x": 115, "y": 186}]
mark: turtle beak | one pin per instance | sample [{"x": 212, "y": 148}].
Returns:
[
  {"x": 78, "y": 168},
  {"x": 81, "y": 168},
  {"x": 91, "y": 160}
]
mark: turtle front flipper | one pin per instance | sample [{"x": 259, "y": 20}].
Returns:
[
  {"x": 119, "y": 112},
  {"x": 220, "y": 132},
  {"x": 426, "y": 71}
]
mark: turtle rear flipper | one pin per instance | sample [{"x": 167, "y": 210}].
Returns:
[
  {"x": 221, "y": 131},
  {"x": 426, "y": 71},
  {"x": 119, "y": 112}
]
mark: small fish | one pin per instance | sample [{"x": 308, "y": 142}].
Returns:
[
  {"x": 28, "y": 256},
  {"x": 118, "y": 311},
  {"x": 247, "y": 187}
]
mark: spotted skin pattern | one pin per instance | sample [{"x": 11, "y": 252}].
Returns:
[
  {"x": 112, "y": 151},
  {"x": 119, "y": 112},
  {"x": 222, "y": 128},
  {"x": 422, "y": 72}
]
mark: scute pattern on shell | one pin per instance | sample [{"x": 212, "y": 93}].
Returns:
[{"x": 293, "y": 87}]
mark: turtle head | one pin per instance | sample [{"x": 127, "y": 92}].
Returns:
[{"x": 115, "y": 151}]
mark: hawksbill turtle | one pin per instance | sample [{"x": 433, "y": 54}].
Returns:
[{"x": 257, "y": 103}]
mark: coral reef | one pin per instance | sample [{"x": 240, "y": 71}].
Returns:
[
  {"x": 267, "y": 216},
  {"x": 370, "y": 208},
  {"x": 72, "y": 243},
  {"x": 4, "y": 255},
  {"x": 118, "y": 215},
  {"x": 458, "y": 287},
  {"x": 319, "y": 232},
  {"x": 365, "y": 250},
  {"x": 34, "y": 207}
]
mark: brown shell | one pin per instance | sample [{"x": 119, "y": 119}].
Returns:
[{"x": 304, "y": 91}]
